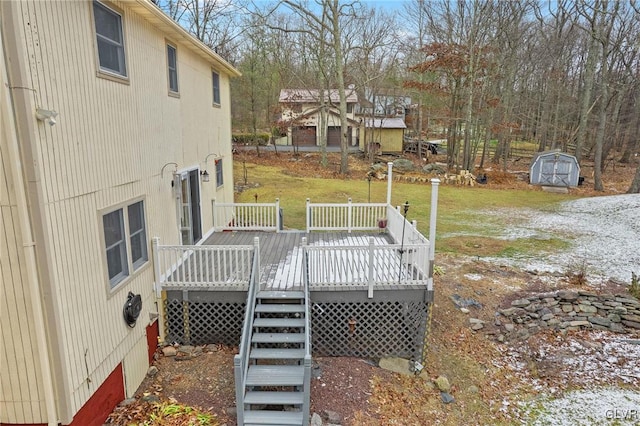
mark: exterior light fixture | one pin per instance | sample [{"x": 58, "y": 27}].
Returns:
[
  {"x": 175, "y": 168},
  {"x": 205, "y": 176},
  {"x": 48, "y": 116}
]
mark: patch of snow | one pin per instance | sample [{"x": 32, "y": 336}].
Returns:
[
  {"x": 604, "y": 233},
  {"x": 588, "y": 407}
]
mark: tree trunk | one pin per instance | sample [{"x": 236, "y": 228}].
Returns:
[{"x": 635, "y": 185}]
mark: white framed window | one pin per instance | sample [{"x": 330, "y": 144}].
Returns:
[
  {"x": 172, "y": 66},
  {"x": 219, "y": 175},
  {"x": 215, "y": 78},
  {"x": 125, "y": 241},
  {"x": 109, "y": 40}
]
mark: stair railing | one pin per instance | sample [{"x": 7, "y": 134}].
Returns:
[
  {"x": 241, "y": 360},
  {"x": 306, "y": 405}
]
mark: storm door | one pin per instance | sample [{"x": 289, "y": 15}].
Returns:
[{"x": 190, "y": 217}]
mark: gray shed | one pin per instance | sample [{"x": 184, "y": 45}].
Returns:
[{"x": 554, "y": 168}]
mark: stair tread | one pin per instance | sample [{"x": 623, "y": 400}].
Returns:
[
  {"x": 275, "y": 375},
  {"x": 276, "y": 353},
  {"x": 277, "y": 308},
  {"x": 264, "y": 417},
  {"x": 278, "y": 322},
  {"x": 280, "y": 295},
  {"x": 278, "y": 338},
  {"x": 277, "y": 398}
]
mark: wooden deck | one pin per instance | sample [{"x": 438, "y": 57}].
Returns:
[{"x": 281, "y": 253}]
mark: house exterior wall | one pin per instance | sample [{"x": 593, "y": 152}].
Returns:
[{"x": 111, "y": 140}]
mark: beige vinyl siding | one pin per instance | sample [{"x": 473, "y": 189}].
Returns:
[
  {"x": 108, "y": 147},
  {"x": 21, "y": 396}
]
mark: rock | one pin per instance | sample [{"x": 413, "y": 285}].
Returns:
[
  {"x": 473, "y": 389},
  {"x": 464, "y": 310},
  {"x": 634, "y": 318},
  {"x": 520, "y": 303},
  {"x": 169, "y": 351},
  {"x": 614, "y": 318},
  {"x": 127, "y": 402},
  {"x": 547, "y": 317},
  {"x": 212, "y": 348},
  {"x": 331, "y": 417},
  {"x": 316, "y": 420},
  {"x": 617, "y": 327},
  {"x": 152, "y": 371},
  {"x": 567, "y": 308},
  {"x": 433, "y": 168},
  {"x": 477, "y": 326},
  {"x": 568, "y": 296},
  {"x": 580, "y": 324},
  {"x": 632, "y": 302},
  {"x": 509, "y": 327},
  {"x": 522, "y": 334},
  {"x": 397, "y": 365},
  {"x": 500, "y": 338},
  {"x": 150, "y": 398},
  {"x": 600, "y": 321},
  {"x": 461, "y": 302},
  {"x": 475, "y": 321},
  {"x": 446, "y": 397},
  {"x": 631, "y": 324},
  {"x": 620, "y": 310},
  {"x": 403, "y": 164},
  {"x": 553, "y": 322},
  {"x": 231, "y": 411},
  {"x": 587, "y": 308},
  {"x": 442, "y": 383}
]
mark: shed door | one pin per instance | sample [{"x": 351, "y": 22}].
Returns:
[{"x": 555, "y": 172}]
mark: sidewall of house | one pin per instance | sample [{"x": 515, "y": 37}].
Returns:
[{"x": 107, "y": 151}]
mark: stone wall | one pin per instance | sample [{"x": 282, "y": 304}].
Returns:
[{"x": 568, "y": 310}]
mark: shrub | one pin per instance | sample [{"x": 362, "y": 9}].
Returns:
[
  {"x": 251, "y": 139},
  {"x": 634, "y": 288}
]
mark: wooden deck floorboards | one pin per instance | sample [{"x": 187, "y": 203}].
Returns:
[{"x": 281, "y": 253}]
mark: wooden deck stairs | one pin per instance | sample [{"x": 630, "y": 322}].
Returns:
[{"x": 277, "y": 384}]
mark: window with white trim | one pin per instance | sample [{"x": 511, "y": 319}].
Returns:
[
  {"x": 219, "y": 178},
  {"x": 172, "y": 65},
  {"x": 125, "y": 240},
  {"x": 110, "y": 39},
  {"x": 215, "y": 78}
]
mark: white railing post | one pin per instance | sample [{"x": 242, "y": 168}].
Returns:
[
  {"x": 435, "y": 182},
  {"x": 256, "y": 245},
  {"x": 213, "y": 212},
  {"x": 308, "y": 214},
  {"x": 155, "y": 242},
  {"x": 371, "y": 259},
  {"x": 278, "y": 224},
  {"x": 389, "y": 178},
  {"x": 349, "y": 215}
]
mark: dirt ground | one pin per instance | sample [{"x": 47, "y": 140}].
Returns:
[{"x": 485, "y": 384}]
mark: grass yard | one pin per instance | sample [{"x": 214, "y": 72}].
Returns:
[{"x": 461, "y": 210}]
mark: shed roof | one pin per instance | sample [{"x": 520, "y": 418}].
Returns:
[
  {"x": 166, "y": 25},
  {"x": 313, "y": 95},
  {"x": 386, "y": 123}
]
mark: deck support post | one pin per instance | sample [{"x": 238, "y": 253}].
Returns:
[
  {"x": 389, "y": 179},
  {"x": 370, "y": 278},
  {"x": 435, "y": 182},
  {"x": 157, "y": 285}
]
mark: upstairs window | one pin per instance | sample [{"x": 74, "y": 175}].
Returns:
[
  {"x": 110, "y": 40},
  {"x": 172, "y": 64},
  {"x": 215, "y": 77}
]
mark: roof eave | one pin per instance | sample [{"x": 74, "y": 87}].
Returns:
[{"x": 154, "y": 15}]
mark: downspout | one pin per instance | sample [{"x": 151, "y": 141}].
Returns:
[
  {"x": 21, "y": 98},
  {"x": 28, "y": 243}
]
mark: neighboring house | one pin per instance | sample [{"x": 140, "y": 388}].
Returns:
[
  {"x": 110, "y": 115},
  {"x": 301, "y": 115},
  {"x": 383, "y": 135},
  {"x": 380, "y": 104}
]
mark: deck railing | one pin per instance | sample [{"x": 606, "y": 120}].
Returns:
[
  {"x": 345, "y": 217},
  {"x": 306, "y": 406},
  {"x": 373, "y": 265},
  {"x": 203, "y": 266},
  {"x": 246, "y": 216},
  {"x": 241, "y": 360}
]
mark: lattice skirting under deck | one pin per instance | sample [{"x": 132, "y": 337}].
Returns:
[{"x": 394, "y": 323}]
